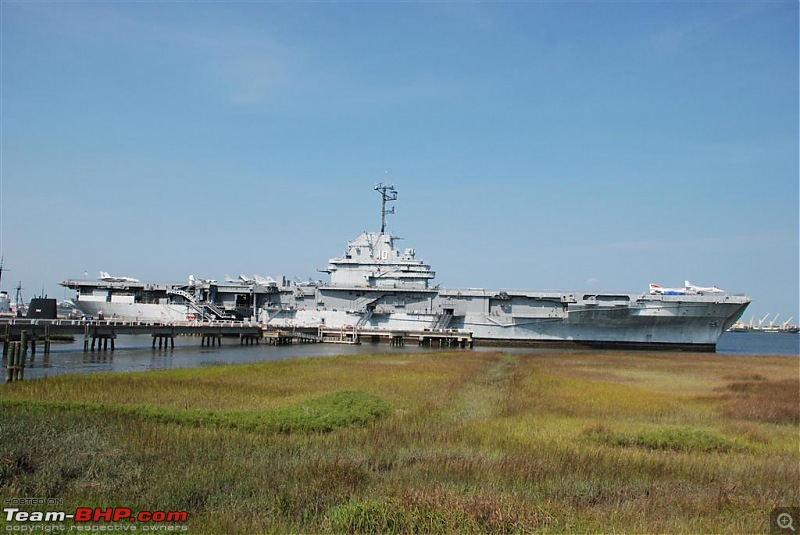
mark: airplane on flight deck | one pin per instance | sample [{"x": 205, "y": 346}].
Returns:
[{"x": 108, "y": 278}]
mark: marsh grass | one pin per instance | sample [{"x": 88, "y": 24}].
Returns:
[
  {"x": 763, "y": 400},
  {"x": 667, "y": 438},
  {"x": 322, "y": 414},
  {"x": 473, "y": 442}
]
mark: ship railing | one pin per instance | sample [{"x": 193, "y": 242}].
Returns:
[{"x": 126, "y": 323}]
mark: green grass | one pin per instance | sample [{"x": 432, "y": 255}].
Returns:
[
  {"x": 667, "y": 439},
  {"x": 321, "y": 414},
  {"x": 468, "y": 442}
]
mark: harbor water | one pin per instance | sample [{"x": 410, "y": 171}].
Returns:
[{"x": 135, "y": 353}]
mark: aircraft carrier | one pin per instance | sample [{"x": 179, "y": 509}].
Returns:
[{"x": 374, "y": 285}]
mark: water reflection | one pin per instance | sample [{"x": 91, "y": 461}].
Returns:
[{"x": 135, "y": 353}]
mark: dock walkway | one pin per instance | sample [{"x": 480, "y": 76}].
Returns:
[
  {"x": 428, "y": 337},
  {"x": 102, "y": 333}
]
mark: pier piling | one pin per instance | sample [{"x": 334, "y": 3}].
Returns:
[
  {"x": 164, "y": 340},
  {"x": 47, "y": 339},
  {"x": 101, "y": 339},
  {"x": 20, "y": 375},
  {"x": 249, "y": 339},
  {"x": 23, "y": 340},
  {"x": 15, "y": 363},
  {"x": 211, "y": 339},
  {"x": 10, "y": 357}
]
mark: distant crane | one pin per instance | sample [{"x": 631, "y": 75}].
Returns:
[
  {"x": 772, "y": 323},
  {"x": 786, "y": 323},
  {"x": 762, "y": 320},
  {"x": 20, "y": 304}
]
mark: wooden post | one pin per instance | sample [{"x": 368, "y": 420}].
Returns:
[
  {"x": 10, "y": 363},
  {"x": 23, "y": 340},
  {"x": 47, "y": 339},
  {"x": 20, "y": 366},
  {"x": 17, "y": 356}
]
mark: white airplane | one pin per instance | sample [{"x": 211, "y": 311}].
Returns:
[
  {"x": 655, "y": 289},
  {"x": 241, "y": 279},
  {"x": 193, "y": 281},
  {"x": 268, "y": 281},
  {"x": 691, "y": 288},
  {"x": 108, "y": 278}
]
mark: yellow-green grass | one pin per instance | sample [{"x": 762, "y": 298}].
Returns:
[{"x": 433, "y": 442}]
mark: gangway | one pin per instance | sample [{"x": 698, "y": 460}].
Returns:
[
  {"x": 214, "y": 309},
  {"x": 183, "y": 293},
  {"x": 363, "y": 320},
  {"x": 201, "y": 308},
  {"x": 443, "y": 321}
]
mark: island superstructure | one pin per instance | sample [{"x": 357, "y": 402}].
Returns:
[{"x": 374, "y": 285}]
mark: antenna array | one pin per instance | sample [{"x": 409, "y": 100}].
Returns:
[{"x": 388, "y": 193}]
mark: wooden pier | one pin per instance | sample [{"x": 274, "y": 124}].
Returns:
[
  {"x": 284, "y": 337},
  {"x": 20, "y": 335},
  {"x": 397, "y": 338},
  {"x": 101, "y": 335}
]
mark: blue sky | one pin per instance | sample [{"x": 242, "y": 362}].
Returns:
[{"x": 534, "y": 145}]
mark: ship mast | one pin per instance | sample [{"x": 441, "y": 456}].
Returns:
[{"x": 388, "y": 193}]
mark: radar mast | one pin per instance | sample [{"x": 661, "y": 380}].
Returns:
[{"x": 388, "y": 193}]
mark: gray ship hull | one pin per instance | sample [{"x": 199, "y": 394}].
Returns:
[
  {"x": 373, "y": 285},
  {"x": 633, "y": 320},
  {"x": 698, "y": 329},
  {"x": 692, "y": 322}
]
